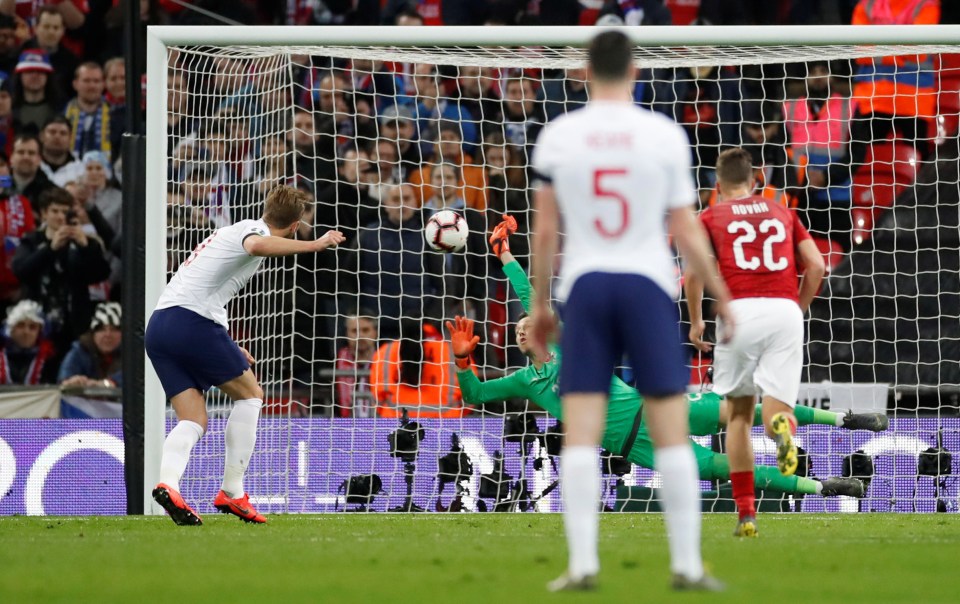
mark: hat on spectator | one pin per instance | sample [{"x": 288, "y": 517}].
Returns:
[
  {"x": 33, "y": 60},
  {"x": 394, "y": 113},
  {"x": 24, "y": 310},
  {"x": 107, "y": 313},
  {"x": 98, "y": 157}
]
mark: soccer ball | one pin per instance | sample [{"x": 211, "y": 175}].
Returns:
[{"x": 446, "y": 231}]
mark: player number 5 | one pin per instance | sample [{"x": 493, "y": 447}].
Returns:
[
  {"x": 775, "y": 233},
  {"x": 603, "y": 193}
]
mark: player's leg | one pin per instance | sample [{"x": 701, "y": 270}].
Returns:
[
  {"x": 650, "y": 323},
  {"x": 191, "y": 412},
  {"x": 240, "y": 437},
  {"x": 590, "y": 336},
  {"x": 874, "y": 422},
  {"x": 778, "y": 376},
  {"x": 164, "y": 346},
  {"x": 741, "y": 463},
  {"x": 735, "y": 363}
]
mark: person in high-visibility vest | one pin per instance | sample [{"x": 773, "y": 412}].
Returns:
[
  {"x": 818, "y": 128},
  {"x": 891, "y": 94},
  {"x": 417, "y": 374}
]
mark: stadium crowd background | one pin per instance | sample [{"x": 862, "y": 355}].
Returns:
[{"x": 382, "y": 146}]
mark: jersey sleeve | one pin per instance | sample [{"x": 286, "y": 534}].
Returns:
[
  {"x": 682, "y": 192},
  {"x": 476, "y": 392},
  {"x": 251, "y": 229},
  {"x": 519, "y": 282},
  {"x": 546, "y": 155}
]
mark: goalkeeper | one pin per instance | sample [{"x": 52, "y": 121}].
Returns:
[{"x": 626, "y": 431}]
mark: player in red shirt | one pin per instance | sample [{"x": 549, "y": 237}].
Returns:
[{"x": 761, "y": 248}]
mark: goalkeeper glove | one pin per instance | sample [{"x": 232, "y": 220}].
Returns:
[
  {"x": 499, "y": 240},
  {"x": 462, "y": 340}
]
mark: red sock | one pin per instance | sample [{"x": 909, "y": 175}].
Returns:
[
  {"x": 792, "y": 420},
  {"x": 743, "y": 493}
]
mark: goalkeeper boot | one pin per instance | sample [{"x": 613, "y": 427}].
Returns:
[
  {"x": 786, "y": 448},
  {"x": 875, "y": 422},
  {"x": 567, "y": 583},
  {"x": 239, "y": 507},
  {"x": 704, "y": 583},
  {"x": 746, "y": 527},
  {"x": 170, "y": 500},
  {"x": 851, "y": 487}
]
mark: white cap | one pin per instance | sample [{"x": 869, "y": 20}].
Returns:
[{"x": 24, "y": 310}]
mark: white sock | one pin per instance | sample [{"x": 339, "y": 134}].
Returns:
[
  {"x": 681, "y": 508},
  {"x": 176, "y": 451},
  {"x": 580, "y": 484},
  {"x": 240, "y": 438}
]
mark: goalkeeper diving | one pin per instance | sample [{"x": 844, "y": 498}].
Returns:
[{"x": 626, "y": 432}]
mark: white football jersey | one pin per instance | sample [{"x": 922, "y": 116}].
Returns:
[
  {"x": 215, "y": 271},
  {"x": 616, "y": 169}
]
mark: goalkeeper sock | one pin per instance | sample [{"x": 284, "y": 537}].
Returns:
[
  {"x": 743, "y": 493},
  {"x": 240, "y": 438},
  {"x": 681, "y": 508},
  {"x": 809, "y": 415},
  {"x": 580, "y": 480},
  {"x": 176, "y": 451},
  {"x": 768, "y": 477}
]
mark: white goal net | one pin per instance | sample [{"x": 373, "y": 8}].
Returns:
[{"x": 860, "y": 139}]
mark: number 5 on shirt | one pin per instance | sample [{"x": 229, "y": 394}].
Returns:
[{"x": 603, "y": 192}]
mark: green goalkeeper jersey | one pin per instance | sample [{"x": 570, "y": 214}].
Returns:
[{"x": 540, "y": 385}]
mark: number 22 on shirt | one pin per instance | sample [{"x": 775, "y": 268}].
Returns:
[{"x": 773, "y": 232}]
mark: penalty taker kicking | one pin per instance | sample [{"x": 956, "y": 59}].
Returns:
[
  {"x": 626, "y": 430},
  {"x": 188, "y": 344}
]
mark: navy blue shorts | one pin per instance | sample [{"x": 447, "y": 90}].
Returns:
[
  {"x": 191, "y": 351},
  {"x": 609, "y": 314}
]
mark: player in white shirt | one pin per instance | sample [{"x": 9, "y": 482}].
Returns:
[
  {"x": 188, "y": 344},
  {"x": 618, "y": 175}
]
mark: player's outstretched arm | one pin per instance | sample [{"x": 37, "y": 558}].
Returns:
[
  {"x": 474, "y": 392},
  {"x": 694, "y": 246},
  {"x": 500, "y": 247},
  {"x": 281, "y": 246},
  {"x": 813, "y": 271},
  {"x": 500, "y": 239}
]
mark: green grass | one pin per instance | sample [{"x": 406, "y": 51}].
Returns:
[{"x": 468, "y": 558}]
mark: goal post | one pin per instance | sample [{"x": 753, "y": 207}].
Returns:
[{"x": 291, "y": 472}]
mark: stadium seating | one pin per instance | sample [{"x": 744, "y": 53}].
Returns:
[
  {"x": 831, "y": 250},
  {"x": 890, "y": 167}
]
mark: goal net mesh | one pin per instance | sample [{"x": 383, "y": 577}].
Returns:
[{"x": 382, "y": 137}]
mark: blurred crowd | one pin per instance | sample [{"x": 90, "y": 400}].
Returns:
[{"x": 382, "y": 145}]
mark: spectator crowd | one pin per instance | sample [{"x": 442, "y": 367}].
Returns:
[
  {"x": 62, "y": 115},
  {"x": 382, "y": 145}
]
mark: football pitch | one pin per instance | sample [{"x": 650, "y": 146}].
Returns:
[{"x": 468, "y": 558}]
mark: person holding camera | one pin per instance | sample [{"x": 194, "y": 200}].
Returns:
[{"x": 57, "y": 263}]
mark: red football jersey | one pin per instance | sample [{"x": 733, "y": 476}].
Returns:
[{"x": 755, "y": 241}]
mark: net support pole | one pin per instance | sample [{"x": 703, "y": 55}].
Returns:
[
  {"x": 134, "y": 148},
  {"x": 154, "y": 270},
  {"x": 133, "y": 263}
]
